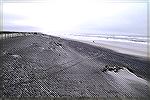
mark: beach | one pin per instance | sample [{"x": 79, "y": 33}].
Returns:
[
  {"x": 121, "y": 45},
  {"x": 49, "y": 66}
]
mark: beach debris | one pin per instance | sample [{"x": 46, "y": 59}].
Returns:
[
  {"x": 114, "y": 68},
  {"x": 58, "y": 44},
  {"x": 59, "y": 54},
  {"x": 35, "y": 45},
  {"x": 4, "y": 52},
  {"x": 10, "y": 54},
  {"x": 16, "y": 56},
  {"x": 42, "y": 48},
  {"x": 53, "y": 45}
]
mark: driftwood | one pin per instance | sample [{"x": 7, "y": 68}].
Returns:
[{"x": 114, "y": 68}]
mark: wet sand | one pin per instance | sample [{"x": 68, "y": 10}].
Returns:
[
  {"x": 125, "y": 47},
  {"x": 51, "y": 66}
]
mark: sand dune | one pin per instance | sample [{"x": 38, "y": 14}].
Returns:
[{"x": 37, "y": 65}]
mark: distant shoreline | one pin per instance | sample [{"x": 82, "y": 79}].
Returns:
[{"x": 117, "y": 48}]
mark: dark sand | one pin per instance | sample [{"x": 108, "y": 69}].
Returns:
[{"x": 39, "y": 65}]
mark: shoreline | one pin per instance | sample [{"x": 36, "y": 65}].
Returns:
[{"x": 117, "y": 47}]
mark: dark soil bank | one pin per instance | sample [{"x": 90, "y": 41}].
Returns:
[{"x": 38, "y": 65}]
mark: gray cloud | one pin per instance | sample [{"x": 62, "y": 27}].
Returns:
[
  {"x": 21, "y": 1},
  {"x": 130, "y": 18},
  {"x": 131, "y": 21},
  {"x": 24, "y": 28}
]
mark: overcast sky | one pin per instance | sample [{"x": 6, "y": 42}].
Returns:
[{"x": 75, "y": 16}]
